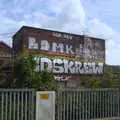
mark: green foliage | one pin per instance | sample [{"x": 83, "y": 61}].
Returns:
[
  {"x": 91, "y": 81},
  {"x": 116, "y": 80},
  {"x": 96, "y": 82},
  {"x": 25, "y": 75},
  {"x": 110, "y": 79}
]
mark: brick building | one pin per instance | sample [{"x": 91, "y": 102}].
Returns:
[
  {"x": 5, "y": 63},
  {"x": 69, "y": 48},
  {"x": 5, "y": 52}
]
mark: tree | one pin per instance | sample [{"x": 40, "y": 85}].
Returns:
[
  {"x": 114, "y": 76},
  {"x": 25, "y": 75},
  {"x": 110, "y": 78},
  {"x": 107, "y": 80},
  {"x": 90, "y": 81}
]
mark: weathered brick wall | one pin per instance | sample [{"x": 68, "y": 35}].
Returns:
[
  {"x": 5, "y": 53},
  {"x": 4, "y": 48},
  {"x": 5, "y": 64}
]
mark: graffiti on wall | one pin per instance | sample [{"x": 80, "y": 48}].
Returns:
[
  {"x": 67, "y": 55},
  {"x": 63, "y": 66},
  {"x": 62, "y": 78},
  {"x": 87, "y": 49}
]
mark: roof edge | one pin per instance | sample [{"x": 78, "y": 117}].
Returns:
[
  {"x": 45, "y": 29},
  {"x": 5, "y": 44}
]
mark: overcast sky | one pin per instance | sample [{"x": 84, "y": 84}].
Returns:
[{"x": 97, "y": 18}]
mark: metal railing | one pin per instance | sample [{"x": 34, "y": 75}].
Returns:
[
  {"x": 17, "y": 104},
  {"x": 88, "y": 104}
]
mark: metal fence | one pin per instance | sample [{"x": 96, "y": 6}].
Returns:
[
  {"x": 88, "y": 104},
  {"x": 17, "y": 104}
]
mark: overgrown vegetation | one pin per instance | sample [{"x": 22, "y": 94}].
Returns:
[
  {"x": 110, "y": 79},
  {"x": 25, "y": 75}
]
